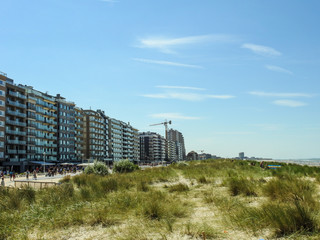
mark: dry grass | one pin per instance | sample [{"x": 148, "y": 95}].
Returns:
[{"x": 217, "y": 199}]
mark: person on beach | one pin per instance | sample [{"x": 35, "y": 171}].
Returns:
[
  {"x": 10, "y": 173},
  {"x": 35, "y": 174},
  {"x": 2, "y": 181},
  {"x": 27, "y": 174}
]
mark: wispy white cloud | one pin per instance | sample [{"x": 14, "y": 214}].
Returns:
[
  {"x": 262, "y": 50},
  {"x": 173, "y": 116},
  {"x": 181, "y": 87},
  {"x": 175, "y": 64},
  {"x": 187, "y": 96},
  {"x": 278, "y": 69},
  {"x": 285, "y": 95},
  {"x": 289, "y": 103},
  {"x": 166, "y": 45}
]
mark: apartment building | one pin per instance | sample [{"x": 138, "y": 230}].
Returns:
[
  {"x": 177, "y": 149},
  {"x": 3, "y": 78},
  {"x": 66, "y": 130},
  {"x": 115, "y": 136},
  {"x": 41, "y": 126},
  {"x": 136, "y": 144},
  {"x": 152, "y": 147},
  {"x": 79, "y": 140},
  {"x": 16, "y": 125},
  {"x": 36, "y": 127},
  {"x": 94, "y": 136}
]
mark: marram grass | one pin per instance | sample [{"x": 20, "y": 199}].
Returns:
[{"x": 241, "y": 197}]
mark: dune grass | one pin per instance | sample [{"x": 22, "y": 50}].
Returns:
[{"x": 171, "y": 202}]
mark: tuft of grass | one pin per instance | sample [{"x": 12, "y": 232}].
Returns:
[
  {"x": 180, "y": 187},
  {"x": 142, "y": 186},
  {"x": 243, "y": 186},
  {"x": 202, "y": 179},
  {"x": 289, "y": 188}
]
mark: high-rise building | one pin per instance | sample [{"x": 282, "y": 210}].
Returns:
[
  {"x": 41, "y": 126},
  {"x": 152, "y": 147},
  {"x": 79, "y": 127},
  {"x": 176, "y": 147},
  {"x": 3, "y": 78},
  {"x": 115, "y": 144},
  {"x": 94, "y": 135},
  {"x": 36, "y": 127},
  {"x": 66, "y": 130},
  {"x": 16, "y": 125}
]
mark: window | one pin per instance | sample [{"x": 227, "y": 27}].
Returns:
[
  {"x": 1, "y": 113},
  {"x": 1, "y": 144},
  {"x": 2, "y": 93},
  {"x": 1, "y": 133},
  {"x": 1, "y": 103},
  {"x": 1, "y": 154},
  {"x": 1, "y": 123},
  {"x": 2, "y": 83}
]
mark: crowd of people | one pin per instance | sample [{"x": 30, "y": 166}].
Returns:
[{"x": 50, "y": 172}]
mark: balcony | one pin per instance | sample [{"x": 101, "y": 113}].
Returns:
[
  {"x": 16, "y": 104},
  {"x": 16, "y": 113},
  {"x": 16, "y": 142},
  {"x": 17, "y": 123},
  {"x": 11, "y": 151},
  {"x": 16, "y": 94},
  {"x": 31, "y": 142},
  {"x": 14, "y": 132},
  {"x": 22, "y": 151}
]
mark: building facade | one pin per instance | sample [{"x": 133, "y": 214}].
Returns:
[
  {"x": 3, "y": 78},
  {"x": 36, "y": 127},
  {"x": 152, "y": 147},
  {"x": 176, "y": 147}
]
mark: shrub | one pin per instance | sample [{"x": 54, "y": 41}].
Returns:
[
  {"x": 98, "y": 168},
  {"x": 124, "y": 166}
]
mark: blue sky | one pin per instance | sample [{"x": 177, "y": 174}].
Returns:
[{"x": 232, "y": 76}]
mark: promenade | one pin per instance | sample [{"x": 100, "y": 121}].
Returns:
[{"x": 40, "y": 178}]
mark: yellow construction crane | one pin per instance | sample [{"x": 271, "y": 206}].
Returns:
[{"x": 165, "y": 123}]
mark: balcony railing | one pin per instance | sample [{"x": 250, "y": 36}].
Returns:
[
  {"x": 16, "y": 113},
  {"x": 16, "y": 142},
  {"x": 17, "y": 104},
  {"x": 16, "y": 132},
  {"x": 22, "y": 124},
  {"x": 16, "y": 94}
]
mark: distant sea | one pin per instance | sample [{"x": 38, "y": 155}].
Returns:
[{"x": 309, "y": 162}]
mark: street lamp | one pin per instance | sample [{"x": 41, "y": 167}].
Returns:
[{"x": 44, "y": 165}]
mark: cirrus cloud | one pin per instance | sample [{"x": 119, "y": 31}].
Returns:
[
  {"x": 187, "y": 96},
  {"x": 285, "y": 95},
  {"x": 161, "y": 62},
  {"x": 261, "y": 50},
  {"x": 289, "y": 103}
]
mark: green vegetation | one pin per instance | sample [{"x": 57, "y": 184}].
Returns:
[
  {"x": 190, "y": 200},
  {"x": 124, "y": 166},
  {"x": 98, "y": 168}
]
